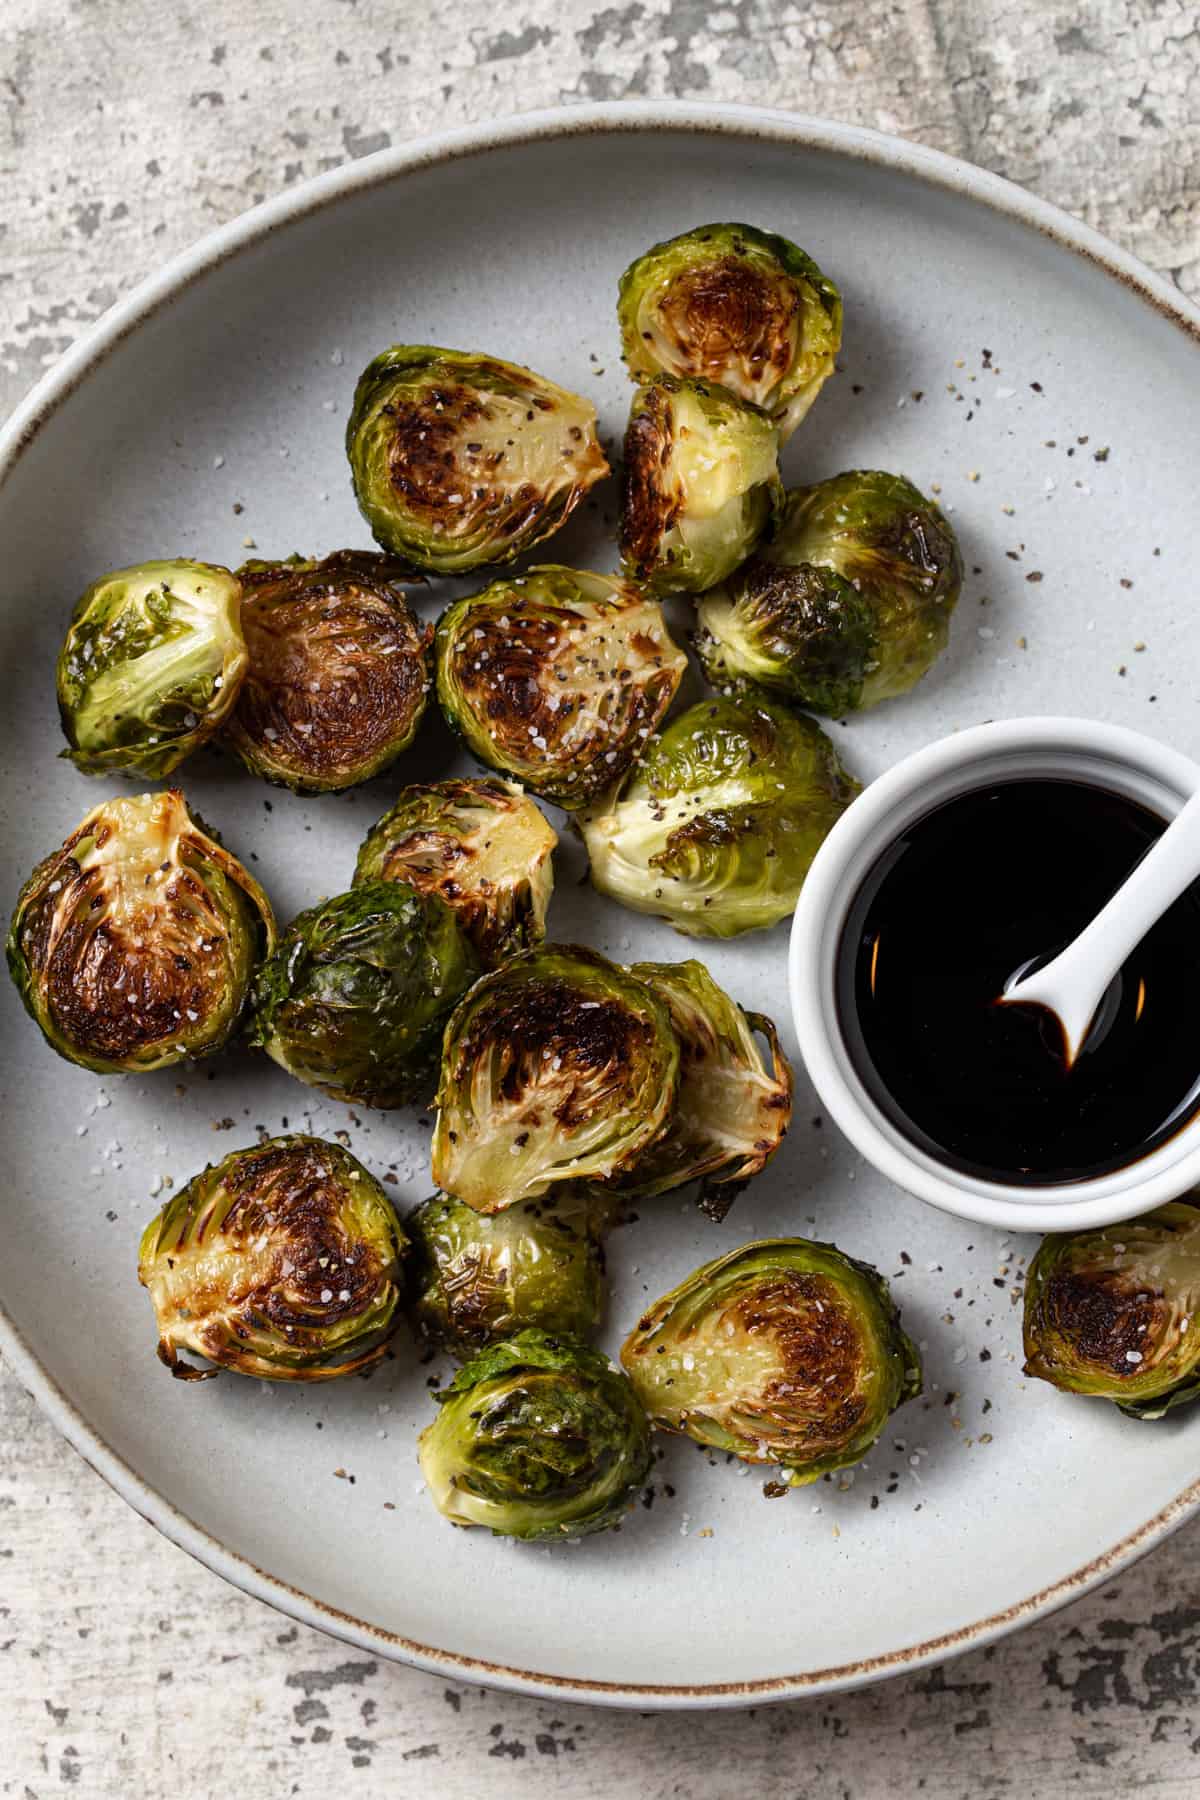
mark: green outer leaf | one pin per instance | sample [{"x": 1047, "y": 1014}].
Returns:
[
  {"x": 802, "y": 633},
  {"x": 716, "y": 827},
  {"x": 150, "y": 666},
  {"x": 280, "y": 1261},
  {"x": 126, "y": 870},
  {"x": 558, "y": 1067},
  {"x": 354, "y": 999},
  {"x": 477, "y": 1277},
  {"x": 538, "y": 1437},
  {"x": 498, "y": 512},
  {"x": 819, "y": 1405}
]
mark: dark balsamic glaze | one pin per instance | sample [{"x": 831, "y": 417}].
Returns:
[{"x": 966, "y": 896}]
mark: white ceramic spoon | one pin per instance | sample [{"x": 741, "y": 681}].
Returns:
[{"x": 1076, "y": 981}]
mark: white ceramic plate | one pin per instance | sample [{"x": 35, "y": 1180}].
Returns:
[{"x": 227, "y": 379}]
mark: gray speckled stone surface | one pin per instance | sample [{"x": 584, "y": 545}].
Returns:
[{"x": 127, "y": 129}]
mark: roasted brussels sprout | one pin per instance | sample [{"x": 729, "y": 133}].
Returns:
[
  {"x": 282, "y": 1261},
  {"x": 150, "y": 666},
  {"x": 482, "y": 847},
  {"x": 783, "y": 1351},
  {"x": 134, "y": 945},
  {"x": 460, "y": 460},
  {"x": 354, "y": 999},
  {"x": 538, "y": 1437},
  {"x": 700, "y": 484},
  {"x": 478, "y": 1277},
  {"x": 738, "y": 306},
  {"x": 1116, "y": 1312},
  {"x": 557, "y": 1067},
  {"x": 557, "y": 677},
  {"x": 732, "y": 1110},
  {"x": 848, "y": 604},
  {"x": 339, "y": 670},
  {"x": 715, "y": 828}
]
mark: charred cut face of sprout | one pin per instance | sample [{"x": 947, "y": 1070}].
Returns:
[
  {"x": 715, "y": 829},
  {"x": 355, "y": 998},
  {"x": 538, "y": 1438},
  {"x": 557, "y": 678},
  {"x": 282, "y": 1261},
  {"x": 339, "y": 671},
  {"x": 134, "y": 945},
  {"x": 848, "y": 604},
  {"x": 479, "y": 1277},
  {"x": 481, "y": 846},
  {"x": 701, "y": 483},
  {"x": 733, "y": 1107},
  {"x": 460, "y": 460},
  {"x": 783, "y": 1351},
  {"x": 558, "y": 1067},
  {"x": 150, "y": 666},
  {"x": 1116, "y": 1312},
  {"x": 744, "y": 308}
]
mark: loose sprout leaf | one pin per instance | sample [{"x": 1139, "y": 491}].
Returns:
[
  {"x": 540, "y": 1438},
  {"x": 558, "y": 1067},
  {"x": 282, "y": 1261},
  {"x": 134, "y": 945},
  {"x": 557, "y": 678},
  {"x": 150, "y": 666},
  {"x": 783, "y": 1351},
  {"x": 716, "y": 827},
  {"x": 849, "y": 602},
  {"x": 478, "y": 1277},
  {"x": 339, "y": 671},
  {"x": 1116, "y": 1312},
  {"x": 744, "y": 308},
  {"x": 733, "y": 1107},
  {"x": 459, "y": 460},
  {"x": 481, "y": 846},
  {"x": 355, "y": 998},
  {"x": 700, "y": 485}
]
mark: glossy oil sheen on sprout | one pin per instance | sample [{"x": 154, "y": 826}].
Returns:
[
  {"x": 558, "y": 1067},
  {"x": 783, "y": 1351},
  {"x": 459, "y": 460},
  {"x": 540, "y": 1438},
  {"x": 557, "y": 678},
  {"x": 745, "y": 308},
  {"x": 481, "y": 846},
  {"x": 716, "y": 827},
  {"x": 281, "y": 1261},
  {"x": 134, "y": 945},
  {"x": 339, "y": 670}
]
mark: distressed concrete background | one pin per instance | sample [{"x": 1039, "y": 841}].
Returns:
[{"x": 127, "y": 129}]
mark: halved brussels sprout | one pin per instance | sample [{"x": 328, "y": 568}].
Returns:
[
  {"x": 339, "y": 670},
  {"x": 732, "y": 1111},
  {"x": 738, "y": 306},
  {"x": 848, "y": 604},
  {"x": 481, "y": 846},
  {"x": 281, "y": 1261},
  {"x": 557, "y": 678},
  {"x": 1116, "y": 1312},
  {"x": 354, "y": 999},
  {"x": 150, "y": 666},
  {"x": 783, "y": 1351},
  {"x": 557, "y": 1067},
  {"x": 700, "y": 484},
  {"x": 479, "y": 1277},
  {"x": 715, "y": 828},
  {"x": 539, "y": 1437},
  {"x": 461, "y": 459},
  {"x": 134, "y": 945}
]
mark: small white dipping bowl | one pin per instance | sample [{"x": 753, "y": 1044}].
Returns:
[{"x": 1108, "y": 756}]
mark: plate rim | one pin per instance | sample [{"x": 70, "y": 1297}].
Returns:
[{"x": 797, "y": 131}]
